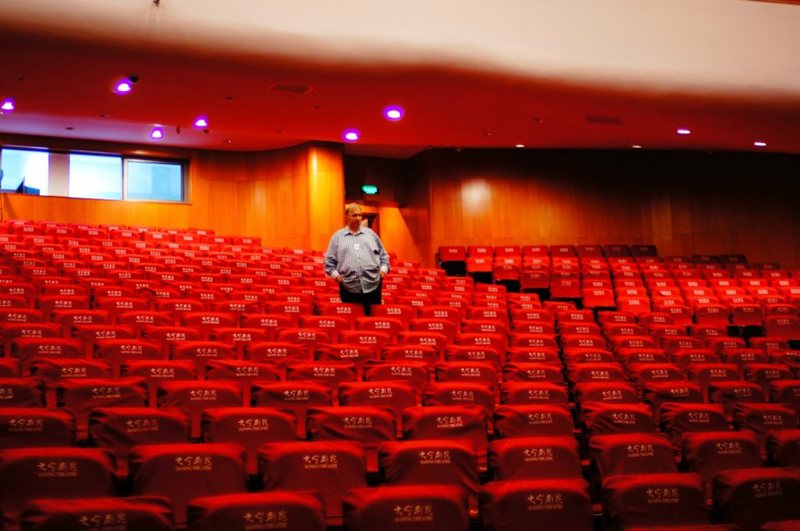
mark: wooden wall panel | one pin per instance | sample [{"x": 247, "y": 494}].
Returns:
[
  {"x": 325, "y": 194},
  {"x": 683, "y": 202},
  {"x": 264, "y": 194}
]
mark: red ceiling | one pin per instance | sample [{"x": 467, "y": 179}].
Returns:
[{"x": 62, "y": 88}]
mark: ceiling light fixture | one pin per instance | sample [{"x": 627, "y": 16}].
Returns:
[
  {"x": 7, "y": 105},
  {"x": 520, "y": 146},
  {"x": 394, "y": 113},
  {"x": 351, "y": 135},
  {"x": 157, "y": 133},
  {"x": 125, "y": 85},
  {"x": 759, "y": 143},
  {"x": 636, "y": 146},
  {"x": 201, "y": 121},
  {"x": 684, "y": 131}
]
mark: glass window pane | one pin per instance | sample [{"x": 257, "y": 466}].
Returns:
[
  {"x": 20, "y": 165},
  {"x": 95, "y": 176},
  {"x": 155, "y": 181}
]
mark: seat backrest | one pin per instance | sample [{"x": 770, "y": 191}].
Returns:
[
  {"x": 118, "y": 430},
  {"x": 550, "y": 504},
  {"x": 535, "y": 457},
  {"x": 249, "y": 427},
  {"x": 431, "y": 462},
  {"x": 295, "y": 396},
  {"x": 195, "y": 396},
  {"x": 131, "y": 513},
  {"x": 367, "y": 425},
  {"x": 59, "y": 472},
  {"x": 260, "y": 510},
  {"x": 27, "y": 427},
  {"x": 648, "y": 500},
  {"x": 393, "y": 508},
  {"x": 710, "y": 452},
  {"x": 182, "y": 472},
  {"x": 331, "y": 468},
  {"x": 81, "y": 396},
  {"x": 751, "y": 497},
  {"x": 632, "y": 453}
]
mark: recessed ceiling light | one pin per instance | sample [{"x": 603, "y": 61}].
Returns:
[
  {"x": 393, "y": 113},
  {"x": 636, "y": 146},
  {"x": 7, "y": 105},
  {"x": 520, "y": 145},
  {"x": 201, "y": 121},
  {"x": 759, "y": 143},
  {"x": 684, "y": 131},
  {"x": 157, "y": 133},
  {"x": 351, "y": 135},
  {"x": 125, "y": 85}
]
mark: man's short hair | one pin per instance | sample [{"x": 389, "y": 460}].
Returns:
[{"x": 350, "y": 206}]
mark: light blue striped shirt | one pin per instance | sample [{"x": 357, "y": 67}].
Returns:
[{"x": 358, "y": 257}]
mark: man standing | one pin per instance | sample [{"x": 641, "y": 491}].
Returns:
[{"x": 357, "y": 260}]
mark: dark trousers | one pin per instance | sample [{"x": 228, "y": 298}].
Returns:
[{"x": 364, "y": 299}]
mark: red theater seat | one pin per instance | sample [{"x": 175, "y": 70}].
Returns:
[
  {"x": 183, "y": 472},
  {"x": 249, "y": 428},
  {"x": 394, "y": 508},
  {"x": 118, "y": 430},
  {"x": 632, "y": 453},
  {"x": 533, "y": 421},
  {"x": 386, "y": 394},
  {"x": 365, "y": 425},
  {"x": 329, "y": 468},
  {"x": 520, "y": 393},
  {"x": 195, "y": 396},
  {"x": 654, "y": 500},
  {"x": 26, "y": 427},
  {"x": 730, "y": 393},
  {"x": 21, "y": 392},
  {"x": 677, "y": 419},
  {"x": 62, "y": 472},
  {"x": 465, "y": 422},
  {"x": 296, "y": 397},
  {"x": 412, "y": 371},
  {"x": 130, "y": 514},
  {"x": 710, "y": 452},
  {"x": 29, "y": 349},
  {"x": 783, "y": 448},
  {"x": 261, "y": 510},
  {"x": 431, "y": 462},
  {"x": 535, "y": 458},
  {"x": 751, "y": 497},
  {"x": 608, "y": 419},
  {"x": 542, "y": 504},
  {"x": 764, "y": 418},
  {"x": 81, "y": 396}
]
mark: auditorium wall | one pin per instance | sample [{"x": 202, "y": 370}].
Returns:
[
  {"x": 290, "y": 198},
  {"x": 683, "y": 202}
]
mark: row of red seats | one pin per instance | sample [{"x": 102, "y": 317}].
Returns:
[{"x": 183, "y": 472}]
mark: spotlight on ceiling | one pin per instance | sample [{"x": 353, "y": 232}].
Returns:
[
  {"x": 684, "y": 131},
  {"x": 125, "y": 85},
  {"x": 759, "y": 143},
  {"x": 7, "y": 105},
  {"x": 201, "y": 122},
  {"x": 157, "y": 133},
  {"x": 394, "y": 113},
  {"x": 351, "y": 135}
]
